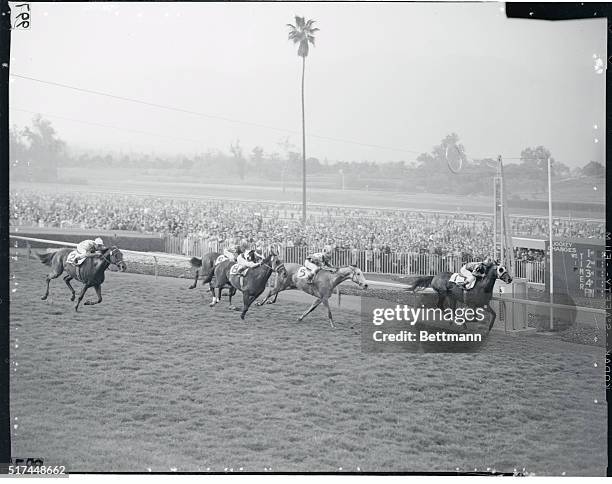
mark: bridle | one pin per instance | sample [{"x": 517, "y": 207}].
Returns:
[
  {"x": 111, "y": 252},
  {"x": 354, "y": 275}
]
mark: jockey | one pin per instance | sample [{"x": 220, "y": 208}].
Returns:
[
  {"x": 88, "y": 248},
  {"x": 317, "y": 261},
  {"x": 232, "y": 251},
  {"x": 472, "y": 270},
  {"x": 250, "y": 258}
]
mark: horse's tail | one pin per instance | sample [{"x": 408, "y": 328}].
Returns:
[
  {"x": 195, "y": 262},
  {"x": 418, "y": 282},
  {"x": 46, "y": 258}
]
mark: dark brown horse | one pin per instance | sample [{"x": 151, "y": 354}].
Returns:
[
  {"x": 207, "y": 266},
  {"x": 251, "y": 285},
  {"x": 90, "y": 273},
  {"x": 479, "y": 296}
]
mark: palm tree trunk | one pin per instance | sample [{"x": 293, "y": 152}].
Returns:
[{"x": 303, "y": 147}]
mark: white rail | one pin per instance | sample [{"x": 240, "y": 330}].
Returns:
[{"x": 72, "y": 244}]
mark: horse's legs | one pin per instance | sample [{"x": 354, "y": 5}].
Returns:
[
  {"x": 329, "y": 313},
  {"x": 51, "y": 275},
  {"x": 67, "y": 279},
  {"x": 311, "y": 309},
  {"x": 214, "y": 297},
  {"x": 195, "y": 280},
  {"x": 231, "y": 292},
  {"x": 265, "y": 299},
  {"x": 207, "y": 280},
  {"x": 247, "y": 300},
  {"x": 80, "y": 298},
  {"x": 493, "y": 314},
  {"x": 441, "y": 298},
  {"x": 273, "y": 292},
  {"x": 98, "y": 289}
]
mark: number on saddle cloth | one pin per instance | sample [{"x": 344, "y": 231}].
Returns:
[
  {"x": 235, "y": 269},
  {"x": 71, "y": 258},
  {"x": 302, "y": 273}
]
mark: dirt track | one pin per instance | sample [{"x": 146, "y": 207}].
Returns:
[{"x": 153, "y": 378}]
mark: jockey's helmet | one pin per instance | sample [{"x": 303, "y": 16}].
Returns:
[{"x": 98, "y": 241}]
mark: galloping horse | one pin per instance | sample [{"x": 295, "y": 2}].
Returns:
[
  {"x": 207, "y": 264},
  {"x": 479, "y": 296},
  {"x": 322, "y": 285},
  {"x": 90, "y": 272},
  {"x": 252, "y": 284},
  {"x": 282, "y": 283}
]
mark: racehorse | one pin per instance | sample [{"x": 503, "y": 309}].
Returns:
[
  {"x": 478, "y": 296},
  {"x": 282, "y": 283},
  {"x": 207, "y": 264},
  {"x": 322, "y": 287},
  {"x": 252, "y": 284},
  {"x": 90, "y": 272}
]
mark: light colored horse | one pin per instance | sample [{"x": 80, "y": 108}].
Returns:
[{"x": 322, "y": 286}]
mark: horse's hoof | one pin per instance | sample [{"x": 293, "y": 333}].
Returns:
[
  {"x": 242, "y": 316},
  {"x": 88, "y": 303},
  {"x": 72, "y": 298},
  {"x": 43, "y": 297}
]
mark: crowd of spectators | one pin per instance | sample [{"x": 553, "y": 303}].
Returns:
[{"x": 386, "y": 231}]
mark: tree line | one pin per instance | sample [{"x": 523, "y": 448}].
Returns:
[{"x": 37, "y": 152}]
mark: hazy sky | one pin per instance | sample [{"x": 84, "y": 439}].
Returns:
[{"x": 400, "y": 76}]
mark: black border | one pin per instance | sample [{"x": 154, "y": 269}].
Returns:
[
  {"x": 5, "y": 50},
  {"x": 533, "y": 11}
]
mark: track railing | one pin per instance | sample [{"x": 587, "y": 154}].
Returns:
[{"x": 509, "y": 323}]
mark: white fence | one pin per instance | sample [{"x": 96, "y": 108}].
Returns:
[{"x": 371, "y": 261}]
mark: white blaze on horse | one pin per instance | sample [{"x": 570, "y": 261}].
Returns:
[{"x": 322, "y": 286}]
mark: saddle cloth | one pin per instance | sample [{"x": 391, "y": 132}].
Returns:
[
  {"x": 302, "y": 273},
  {"x": 220, "y": 259},
  {"x": 457, "y": 278},
  {"x": 71, "y": 258},
  {"x": 235, "y": 269}
]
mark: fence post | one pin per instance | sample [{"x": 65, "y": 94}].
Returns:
[
  {"x": 29, "y": 247},
  {"x": 155, "y": 259},
  {"x": 339, "y": 296}
]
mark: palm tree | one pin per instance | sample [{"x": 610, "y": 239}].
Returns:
[{"x": 302, "y": 33}]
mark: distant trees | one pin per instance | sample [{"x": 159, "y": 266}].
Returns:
[
  {"x": 36, "y": 151},
  {"x": 593, "y": 168},
  {"x": 535, "y": 159},
  {"x": 436, "y": 160}
]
